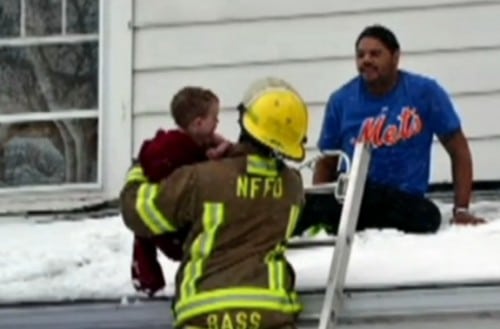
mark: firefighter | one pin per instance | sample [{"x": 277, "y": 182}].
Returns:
[{"x": 238, "y": 212}]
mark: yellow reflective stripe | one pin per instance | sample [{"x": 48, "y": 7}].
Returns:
[
  {"x": 149, "y": 213},
  {"x": 276, "y": 267},
  {"x": 261, "y": 166},
  {"x": 202, "y": 247},
  {"x": 136, "y": 174},
  {"x": 272, "y": 270},
  {"x": 236, "y": 298},
  {"x": 292, "y": 220},
  {"x": 314, "y": 230},
  {"x": 275, "y": 260}
]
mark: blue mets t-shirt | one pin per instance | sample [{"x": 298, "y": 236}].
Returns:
[{"x": 399, "y": 127}]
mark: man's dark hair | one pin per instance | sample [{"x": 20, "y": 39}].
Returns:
[
  {"x": 382, "y": 34},
  {"x": 191, "y": 102}
]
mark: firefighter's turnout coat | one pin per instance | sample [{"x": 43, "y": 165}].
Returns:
[{"x": 237, "y": 212}]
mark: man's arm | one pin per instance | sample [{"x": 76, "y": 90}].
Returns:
[
  {"x": 461, "y": 167},
  {"x": 325, "y": 170},
  {"x": 446, "y": 125}
]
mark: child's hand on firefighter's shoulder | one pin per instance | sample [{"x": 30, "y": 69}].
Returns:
[
  {"x": 219, "y": 151},
  {"x": 220, "y": 146}
]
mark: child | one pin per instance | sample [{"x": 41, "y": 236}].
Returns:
[{"x": 195, "y": 111}]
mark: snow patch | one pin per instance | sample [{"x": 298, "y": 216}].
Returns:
[{"x": 57, "y": 261}]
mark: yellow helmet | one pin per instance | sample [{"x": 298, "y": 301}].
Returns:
[{"x": 275, "y": 115}]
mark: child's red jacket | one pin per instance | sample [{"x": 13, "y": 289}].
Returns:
[{"x": 167, "y": 151}]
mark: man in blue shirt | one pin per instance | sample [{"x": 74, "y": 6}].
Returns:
[{"x": 397, "y": 113}]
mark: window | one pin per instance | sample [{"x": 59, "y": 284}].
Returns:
[{"x": 49, "y": 93}]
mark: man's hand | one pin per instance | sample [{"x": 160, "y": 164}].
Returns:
[
  {"x": 325, "y": 170},
  {"x": 461, "y": 159},
  {"x": 466, "y": 218}
]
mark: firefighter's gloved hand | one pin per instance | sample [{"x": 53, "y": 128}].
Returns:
[{"x": 147, "y": 275}]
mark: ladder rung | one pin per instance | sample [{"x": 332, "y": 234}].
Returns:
[
  {"x": 310, "y": 242},
  {"x": 323, "y": 188}
]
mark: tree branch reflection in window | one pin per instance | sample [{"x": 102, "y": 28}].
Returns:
[
  {"x": 43, "y": 17},
  {"x": 49, "y": 152},
  {"x": 10, "y": 18},
  {"x": 83, "y": 16}
]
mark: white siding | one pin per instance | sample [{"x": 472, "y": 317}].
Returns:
[
  {"x": 225, "y": 44},
  {"x": 117, "y": 97}
]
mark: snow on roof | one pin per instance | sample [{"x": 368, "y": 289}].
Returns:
[{"x": 60, "y": 260}]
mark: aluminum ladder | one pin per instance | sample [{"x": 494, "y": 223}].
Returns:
[{"x": 348, "y": 189}]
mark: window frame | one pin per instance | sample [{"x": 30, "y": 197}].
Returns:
[{"x": 95, "y": 113}]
